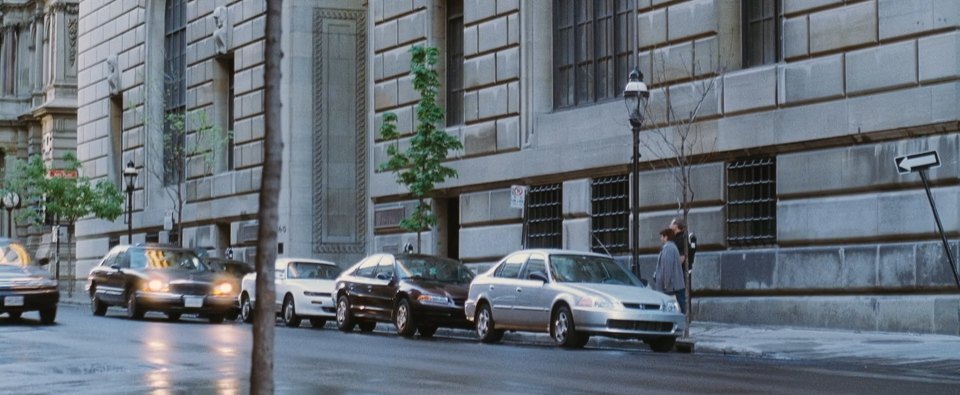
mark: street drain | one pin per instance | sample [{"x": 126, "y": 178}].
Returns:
[{"x": 94, "y": 368}]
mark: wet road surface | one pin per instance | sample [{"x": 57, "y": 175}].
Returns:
[{"x": 114, "y": 355}]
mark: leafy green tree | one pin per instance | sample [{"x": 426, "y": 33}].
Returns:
[
  {"x": 67, "y": 199},
  {"x": 420, "y": 167}
]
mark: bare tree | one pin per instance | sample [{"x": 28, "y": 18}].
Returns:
[
  {"x": 680, "y": 144},
  {"x": 261, "y": 367}
]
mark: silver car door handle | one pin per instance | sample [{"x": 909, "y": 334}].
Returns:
[
  {"x": 519, "y": 289},
  {"x": 491, "y": 287}
]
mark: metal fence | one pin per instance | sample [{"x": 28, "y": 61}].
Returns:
[
  {"x": 610, "y": 201},
  {"x": 545, "y": 216},
  {"x": 752, "y": 202}
]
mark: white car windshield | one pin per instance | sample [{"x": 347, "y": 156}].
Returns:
[
  {"x": 312, "y": 270},
  {"x": 589, "y": 269}
]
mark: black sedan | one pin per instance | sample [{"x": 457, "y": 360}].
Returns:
[
  {"x": 156, "y": 277},
  {"x": 415, "y": 292},
  {"x": 24, "y": 286}
]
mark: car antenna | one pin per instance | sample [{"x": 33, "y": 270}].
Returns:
[{"x": 601, "y": 245}]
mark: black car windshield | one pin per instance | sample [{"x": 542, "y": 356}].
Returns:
[
  {"x": 312, "y": 270},
  {"x": 165, "y": 259},
  {"x": 589, "y": 269},
  {"x": 13, "y": 254},
  {"x": 434, "y": 269}
]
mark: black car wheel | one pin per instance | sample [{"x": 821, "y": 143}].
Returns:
[
  {"x": 367, "y": 326},
  {"x": 564, "y": 331},
  {"x": 403, "y": 319},
  {"x": 97, "y": 307},
  {"x": 290, "y": 313},
  {"x": 48, "y": 315},
  {"x": 345, "y": 321},
  {"x": 246, "y": 309},
  {"x": 318, "y": 322},
  {"x": 173, "y": 317},
  {"x": 15, "y": 315},
  {"x": 134, "y": 312},
  {"x": 486, "y": 330},
  {"x": 427, "y": 331},
  {"x": 662, "y": 344},
  {"x": 215, "y": 318}
]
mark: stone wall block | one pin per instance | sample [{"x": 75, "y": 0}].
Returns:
[
  {"x": 933, "y": 266},
  {"x": 576, "y": 198},
  {"x": 652, "y": 28},
  {"x": 471, "y": 106},
  {"x": 706, "y": 57},
  {"x": 750, "y": 89},
  {"x": 684, "y": 98},
  {"x": 901, "y": 18},
  {"x": 480, "y": 139},
  {"x": 508, "y": 134},
  {"x": 883, "y": 67},
  {"x": 708, "y": 223},
  {"x": 505, "y": 6},
  {"x": 748, "y": 270},
  {"x": 405, "y": 92},
  {"x": 795, "y": 42},
  {"x": 508, "y": 64},
  {"x": 897, "y": 266},
  {"x": 946, "y": 315},
  {"x": 804, "y": 220},
  {"x": 809, "y": 268},
  {"x": 480, "y": 71},
  {"x": 490, "y": 242},
  {"x": 706, "y": 272},
  {"x": 385, "y": 36},
  {"x": 493, "y": 101},
  {"x": 939, "y": 57},
  {"x": 691, "y": 18},
  {"x": 819, "y": 78},
  {"x": 576, "y": 234},
  {"x": 394, "y": 8},
  {"x": 513, "y": 97},
  {"x": 493, "y": 34},
  {"x": 396, "y": 62},
  {"x": 898, "y": 212},
  {"x": 795, "y": 6},
  {"x": 859, "y": 267},
  {"x": 471, "y": 40},
  {"x": 385, "y": 95},
  {"x": 906, "y": 315},
  {"x": 513, "y": 29},
  {"x": 659, "y": 188},
  {"x": 672, "y": 63},
  {"x": 412, "y": 27},
  {"x": 475, "y": 10},
  {"x": 849, "y": 26}
]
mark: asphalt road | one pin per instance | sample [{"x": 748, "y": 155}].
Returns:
[{"x": 86, "y": 354}]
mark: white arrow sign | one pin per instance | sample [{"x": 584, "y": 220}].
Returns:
[{"x": 921, "y": 161}]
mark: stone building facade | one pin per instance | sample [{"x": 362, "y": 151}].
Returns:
[
  {"x": 38, "y": 95},
  {"x": 140, "y": 60},
  {"x": 803, "y": 105}
]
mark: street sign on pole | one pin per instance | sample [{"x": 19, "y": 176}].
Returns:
[
  {"x": 920, "y": 163},
  {"x": 518, "y": 196},
  {"x": 916, "y": 162}
]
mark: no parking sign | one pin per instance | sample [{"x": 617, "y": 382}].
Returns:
[{"x": 518, "y": 195}]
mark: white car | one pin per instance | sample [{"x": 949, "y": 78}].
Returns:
[
  {"x": 304, "y": 290},
  {"x": 571, "y": 295}
]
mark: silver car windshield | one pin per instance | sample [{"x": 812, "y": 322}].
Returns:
[{"x": 589, "y": 269}]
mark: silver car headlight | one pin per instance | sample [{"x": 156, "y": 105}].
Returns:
[
  {"x": 670, "y": 307},
  {"x": 599, "y": 303}
]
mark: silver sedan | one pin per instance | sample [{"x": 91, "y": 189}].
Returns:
[{"x": 571, "y": 295}]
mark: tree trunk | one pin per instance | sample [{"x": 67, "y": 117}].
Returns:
[{"x": 261, "y": 367}]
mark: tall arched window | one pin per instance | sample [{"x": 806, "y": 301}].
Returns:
[{"x": 174, "y": 89}]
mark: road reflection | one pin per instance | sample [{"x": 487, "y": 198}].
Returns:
[{"x": 172, "y": 359}]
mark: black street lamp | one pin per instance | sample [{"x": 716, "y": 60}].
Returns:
[
  {"x": 11, "y": 201},
  {"x": 635, "y": 96},
  {"x": 130, "y": 174}
]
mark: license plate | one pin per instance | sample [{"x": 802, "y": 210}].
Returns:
[
  {"x": 13, "y": 301},
  {"x": 193, "y": 301}
]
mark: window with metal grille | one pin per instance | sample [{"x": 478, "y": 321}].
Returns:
[
  {"x": 175, "y": 87},
  {"x": 592, "y": 50},
  {"x": 611, "y": 214},
  {"x": 545, "y": 216},
  {"x": 454, "y": 62},
  {"x": 752, "y": 202},
  {"x": 761, "y": 32}
]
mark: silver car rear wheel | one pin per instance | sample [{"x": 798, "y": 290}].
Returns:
[{"x": 486, "y": 329}]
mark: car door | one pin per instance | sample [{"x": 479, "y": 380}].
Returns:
[
  {"x": 532, "y": 308},
  {"x": 280, "y": 283},
  {"x": 502, "y": 289},
  {"x": 106, "y": 290},
  {"x": 383, "y": 288},
  {"x": 360, "y": 286}
]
